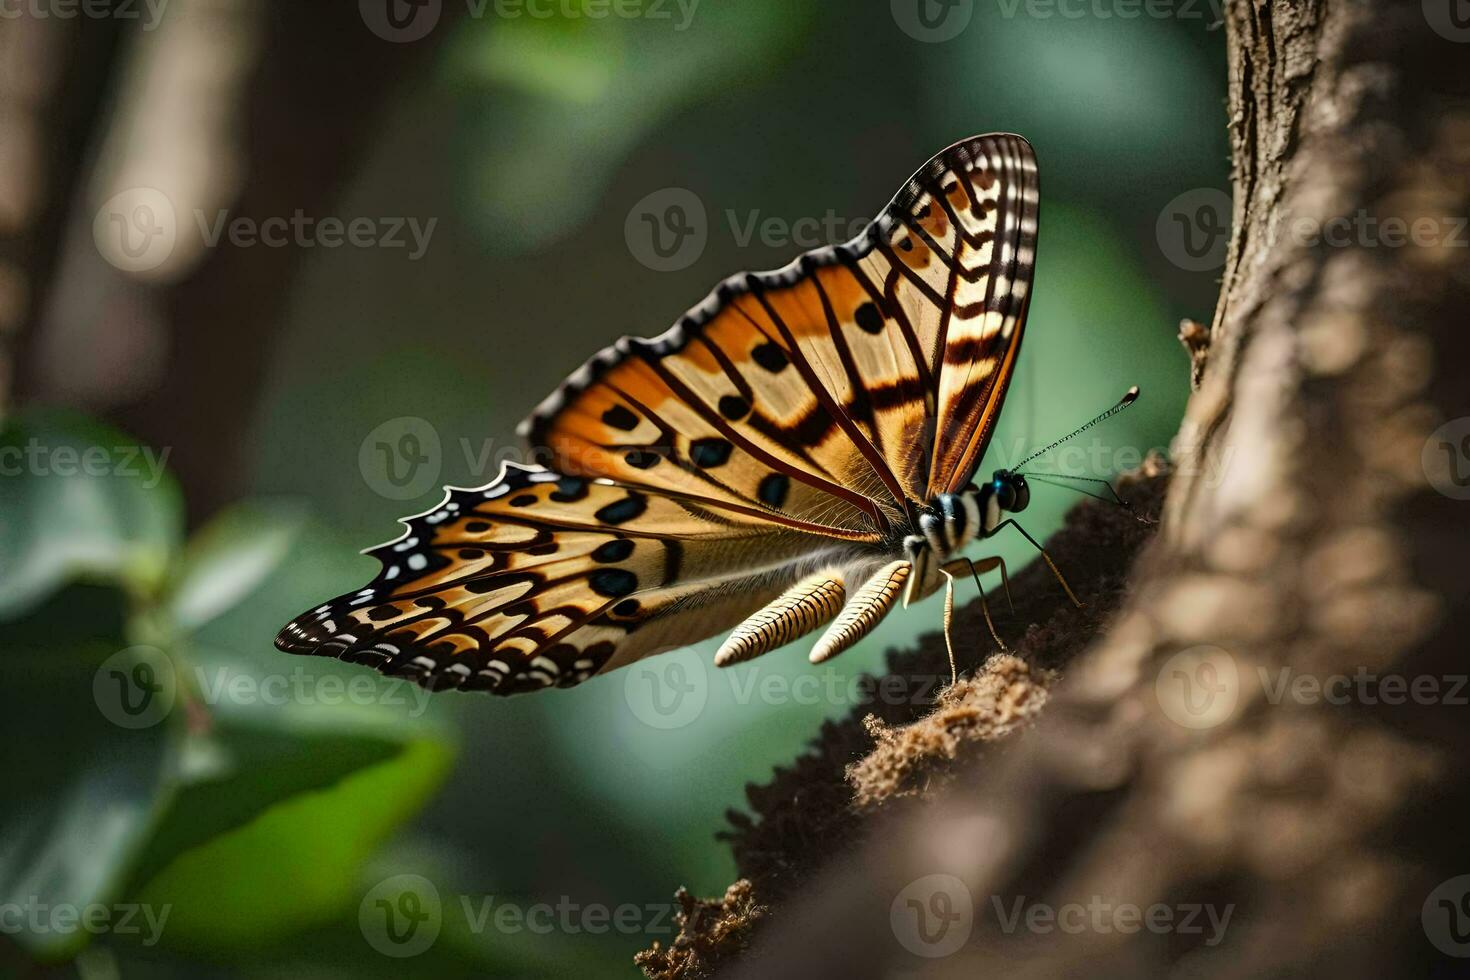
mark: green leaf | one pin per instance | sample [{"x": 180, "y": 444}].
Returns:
[
  {"x": 228, "y": 559},
  {"x": 80, "y": 502},
  {"x": 270, "y": 728},
  {"x": 239, "y": 772},
  {"x": 296, "y": 866},
  {"x": 82, "y": 792}
]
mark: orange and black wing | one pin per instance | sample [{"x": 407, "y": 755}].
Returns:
[
  {"x": 955, "y": 269},
  {"x": 542, "y": 579},
  {"x": 793, "y": 418}
]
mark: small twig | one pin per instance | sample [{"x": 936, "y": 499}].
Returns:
[{"x": 1195, "y": 337}]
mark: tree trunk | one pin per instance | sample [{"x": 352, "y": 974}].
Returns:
[
  {"x": 280, "y": 93},
  {"x": 1270, "y": 726},
  {"x": 53, "y": 83}
]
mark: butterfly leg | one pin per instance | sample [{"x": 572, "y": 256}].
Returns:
[
  {"x": 990, "y": 564},
  {"x": 976, "y": 569},
  {"x": 793, "y": 614},
  {"x": 1049, "y": 563},
  {"x": 954, "y": 674},
  {"x": 869, "y": 604}
]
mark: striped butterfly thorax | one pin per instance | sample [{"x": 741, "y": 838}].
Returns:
[{"x": 763, "y": 462}]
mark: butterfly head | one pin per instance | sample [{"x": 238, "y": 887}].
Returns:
[
  {"x": 1006, "y": 493},
  {"x": 953, "y": 520}
]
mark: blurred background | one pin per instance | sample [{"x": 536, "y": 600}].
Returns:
[{"x": 272, "y": 274}]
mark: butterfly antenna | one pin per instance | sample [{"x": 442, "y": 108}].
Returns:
[
  {"x": 1129, "y": 397},
  {"x": 1052, "y": 478}
]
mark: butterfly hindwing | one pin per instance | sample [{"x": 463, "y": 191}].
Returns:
[{"x": 542, "y": 579}]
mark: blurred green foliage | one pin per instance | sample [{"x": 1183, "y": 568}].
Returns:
[
  {"x": 562, "y": 101},
  {"x": 133, "y": 776},
  {"x": 263, "y": 823}
]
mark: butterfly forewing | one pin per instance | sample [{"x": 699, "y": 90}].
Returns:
[
  {"x": 991, "y": 202},
  {"x": 953, "y": 258},
  {"x": 717, "y": 411},
  {"x": 793, "y": 420}
]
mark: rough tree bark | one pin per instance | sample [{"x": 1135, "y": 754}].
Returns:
[{"x": 1322, "y": 824}]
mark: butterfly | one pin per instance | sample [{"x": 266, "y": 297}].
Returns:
[{"x": 799, "y": 450}]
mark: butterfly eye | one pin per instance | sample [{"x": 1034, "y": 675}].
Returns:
[
  {"x": 1005, "y": 495},
  {"x": 1023, "y": 495}
]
